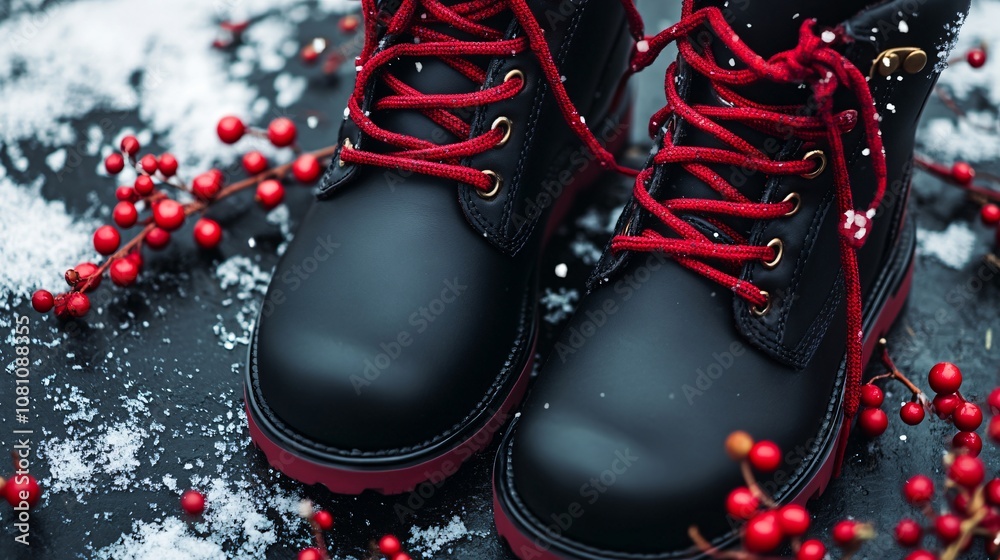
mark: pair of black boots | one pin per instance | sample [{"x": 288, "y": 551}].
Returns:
[{"x": 765, "y": 250}]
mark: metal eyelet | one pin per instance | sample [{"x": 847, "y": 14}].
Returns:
[
  {"x": 820, "y": 157},
  {"x": 348, "y": 145},
  {"x": 515, "y": 73},
  {"x": 779, "y": 251},
  {"x": 497, "y": 183},
  {"x": 793, "y": 197},
  {"x": 507, "y": 127},
  {"x": 759, "y": 311}
]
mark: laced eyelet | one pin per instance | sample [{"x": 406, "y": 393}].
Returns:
[
  {"x": 515, "y": 73},
  {"x": 793, "y": 197},
  {"x": 758, "y": 311},
  {"x": 507, "y": 126},
  {"x": 779, "y": 251},
  {"x": 497, "y": 183},
  {"x": 348, "y": 145},
  {"x": 820, "y": 158}
]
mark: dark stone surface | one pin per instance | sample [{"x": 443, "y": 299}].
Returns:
[{"x": 192, "y": 379}]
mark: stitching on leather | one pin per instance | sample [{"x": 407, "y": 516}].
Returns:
[
  {"x": 516, "y": 242},
  {"x": 511, "y": 365}
]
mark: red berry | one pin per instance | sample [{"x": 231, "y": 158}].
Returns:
[
  {"x": 945, "y": 378},
  {"x": 114, "y": 163},
  {"x": 207, "y": 233},
  {"x": 126, "y": 193},
  {"x": 963, "y": 174},
  {"x": 945, "y": 405},
  {"x": 42, "y": 301},
  {"x": 968, "y": 417},
  {"x": 168, "y": 214},
  {"x": 130, "y": 145},
  {"x": 77, "y": 304},
  {"x": 921, "y": 555},
  {"x": 270, "y": 193},
  {"x": 912, "y": 413},
  {"x": 206, "y": 186},
  {"x": 88, "y": 271},
  {"x": 976, "y": 58},
  {"x": 136, "y": 259},
  {"x": 254, "y": 163},
  {"x": 990, "y": 214},
  {"x": 22, "y": 488},
  {"x": 125, "y": 214},
  {"x": 281, "y": 132},
  {"x": 741, "y": 503},
  {"x": 123, "y": 272},
  {"x": 168, "y": 165},
  {"x": 811, "y": 550},
  {"x": 909, "y": 533},
  {"x": 402, "y": 556},
  {"x": 967, "y": 471},
  {"x": 310, "y": 553},
  {"x": 794, "y": 520},
  {"x": 873, "y": 422},
  {"x": 969, "y": 442},
  {"x": 389, "y": 545},
  {"x": 157, "y": 238},
  {"x": 107, "y": 240},
  {"x": 763, "y": 533},
  {"x": 193, "y": 502},
  {"x": 309, "y": 54},
  {"x": 149, "y": 164},
  {"x": 948, "y": 527},
  {"x": 845, "y": 532},
  {"x": 144, "y": 185},
  {"x": 349, "y": 23},
  {"x": 992, "y": 493},
  {"x": 993, "y": 401},
  {"x": 918, "y": 490},
  {"x": 230, "y": 129},
  {"x": 993, "y": 429},
  {"x": 765, "y": 456},
  {"x": 323, "y": 519},
  {"x": 872, "y": 396},
  {"x": 306, "y": 168}
]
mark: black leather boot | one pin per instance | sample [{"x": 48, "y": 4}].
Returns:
[
  {"x": 767, "y": 248},
  {"x": 398, "y": 331}
]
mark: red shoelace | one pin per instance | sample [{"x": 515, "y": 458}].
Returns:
[
  {"x": 814, "y": 62},
  {"x": 417, "y": 18}
]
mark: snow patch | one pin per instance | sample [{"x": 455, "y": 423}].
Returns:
[{"x": 953, "y": 246}]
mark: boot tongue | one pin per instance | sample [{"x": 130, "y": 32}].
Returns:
[{"x": 766, "y": 30}]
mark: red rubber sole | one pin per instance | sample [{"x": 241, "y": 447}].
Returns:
[
  {"x": 390, "y": 480},
  {"x": 527, "y": 548}
]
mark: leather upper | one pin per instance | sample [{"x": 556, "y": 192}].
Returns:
[
  {"x": 417, "y": 317},
  {"x": 663, "y": 364}
]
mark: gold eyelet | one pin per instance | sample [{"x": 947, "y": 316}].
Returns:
[
  {"x": 761, "y": 312},
  {"x": 507, "y": 126},
  {"x": 497, "y": 183},
  {"x": 793, "y": 197},
  {"x": 515, "y": 73},
  {"x": 779, "y": 251},
  {"x": 820, "y": 157},
  {"x": 348, "y": 145}
]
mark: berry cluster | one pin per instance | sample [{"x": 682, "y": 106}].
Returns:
[
  {"x": 146, "y": 204},
  {"x": 769, "y": 525},
  {"x": 974, "y": 510},
  {"x": 945, "y": 379}
]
